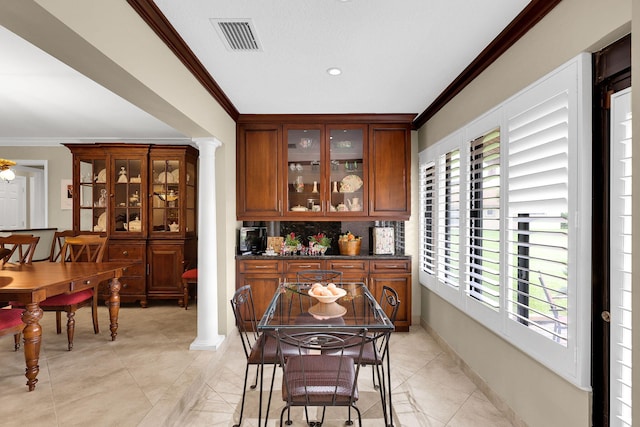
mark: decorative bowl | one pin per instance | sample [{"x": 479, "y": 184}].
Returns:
[{"x": 328, "y": 299}]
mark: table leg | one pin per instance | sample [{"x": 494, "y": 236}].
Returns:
[
  {"x": 32, "y": 334},
  {"x": 114, "y": 306}
]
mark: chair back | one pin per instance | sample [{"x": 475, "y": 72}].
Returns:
[
  {"x": 324, "y": 371},
  {"x": 58, "y": 242},
  {"x": 245, "y": 314},
  {"x": 390, "y": 303},
  {"x": 22, "y": 245},
  {"x": 83, "y": 248},
  {"x": 319, "y": 276}
]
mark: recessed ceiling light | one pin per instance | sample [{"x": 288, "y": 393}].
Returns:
[{"x": 334, "y": 71}]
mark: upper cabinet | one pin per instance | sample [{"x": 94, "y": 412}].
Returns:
[
  {"x": 333, "y": 168},
  {"x": 259, "y": 171},
  {"x": 389, "y": 171}
]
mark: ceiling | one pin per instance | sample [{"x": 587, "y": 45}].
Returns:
[{"x": 395, "y": 56}]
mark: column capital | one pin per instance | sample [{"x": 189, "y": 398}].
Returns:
[{"x": 207, "y": 142}]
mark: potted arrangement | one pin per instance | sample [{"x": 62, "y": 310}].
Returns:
[
  {"x": 319, "y": 242},
  {"x": 349, "y": 244},
  {"x": 292, "y": 243}
]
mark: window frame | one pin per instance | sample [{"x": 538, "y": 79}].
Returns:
[{"x": 573, "y": 361}]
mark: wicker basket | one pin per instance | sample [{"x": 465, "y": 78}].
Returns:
[{"x": 350, "y": 247}]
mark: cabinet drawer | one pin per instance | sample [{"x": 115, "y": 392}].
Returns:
[
  {"x": 391, "y": 266},
  {"x": 349, "y": 266},
  {"x": 303, "y": 265},
  {"x": 132, "y": 285},
  {"x": 259, "y": 266},
  {"x": 123, "y": 252}
]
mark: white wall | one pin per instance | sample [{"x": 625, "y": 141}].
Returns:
[{"x": 536, "y": 395}]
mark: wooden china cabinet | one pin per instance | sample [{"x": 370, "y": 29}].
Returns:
[
  {"x": 323, "y": 167},
  {"x": 143, "y": 196}
]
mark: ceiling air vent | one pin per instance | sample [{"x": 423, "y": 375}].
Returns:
[{"x": 237, "y": 34}]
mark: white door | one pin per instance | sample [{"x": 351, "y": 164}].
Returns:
[
  {"x": 14, "y": 204},
  {"x": 620, "y": 260}
]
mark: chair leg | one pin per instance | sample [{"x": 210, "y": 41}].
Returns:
[
  {"x": 71, "y": 327},
  {"x": 94, "y": 311},
  {"x": 244, "y": 392},
  {"x": 16, "y": 341},
  {"x": 58, "y": 322}
]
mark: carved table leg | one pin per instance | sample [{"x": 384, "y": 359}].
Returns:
[
  {"x": 32, "y": 338},
  {"x": 71, "y": 327},
  {"x": 114, "y": 306}
]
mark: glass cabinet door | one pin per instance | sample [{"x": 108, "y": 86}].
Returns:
[
  {"x": 128, "y": 195},
  {"x": 166, "y": 200},
  {"x": 190, "y": 179},
  {"x": 346, "y": 170},
  {"x": 93, "y": 197},
  {"x": 304, "y": 171}
]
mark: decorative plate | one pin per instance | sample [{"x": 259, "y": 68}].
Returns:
[
  {"x": 102, "y": 176},
  {"x": 350, "y": 183},
  {"x": 176, "y": 175},
  {"x": 165, "y": 177},
  {"x": 102, "y": 221}
]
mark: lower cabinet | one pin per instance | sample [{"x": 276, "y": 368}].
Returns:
[
  {"x": 133, "y": 282},
  {"x": 165, "y": 270},
  {"x": 395, "y": 274},
  {"x": 157, "y": 270},
  {"x": 265, "y": 275}
]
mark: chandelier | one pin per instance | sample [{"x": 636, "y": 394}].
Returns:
[{"x": 6, "y": 173}]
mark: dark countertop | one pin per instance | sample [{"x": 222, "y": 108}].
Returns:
[{"x": 301, "y": 257}]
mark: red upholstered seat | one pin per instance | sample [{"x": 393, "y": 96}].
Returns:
[
  {"x": 67, "y": 299},
  {"x": 189, "y": 276},
  {"x": 11, "y": 323},
  {"x": 10, "y": 318}
]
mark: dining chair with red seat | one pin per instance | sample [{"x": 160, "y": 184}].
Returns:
[
  {"x": 23, "y": 246},
  {"x": 188, "y": 277},
  {"x": 11, "y": 323},
  {"x": 80, "y": 248}
]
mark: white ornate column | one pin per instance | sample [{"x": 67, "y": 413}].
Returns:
[{"x": 207, "y": 334}]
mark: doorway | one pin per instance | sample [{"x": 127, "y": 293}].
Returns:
[{"x": 612, "y": 76}]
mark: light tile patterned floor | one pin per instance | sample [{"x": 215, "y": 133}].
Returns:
[{"x": 149, "y": 377}]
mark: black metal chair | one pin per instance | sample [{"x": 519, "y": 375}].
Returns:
[
  {"x": 259, "y": 349},
  {"x": 325, "y": 379}
]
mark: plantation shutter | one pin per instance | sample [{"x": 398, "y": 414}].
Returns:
[
  {"x": 621, "y": 260},
  {"x": 448, "y": 266},
  {"x": 483, "y": 207},
  {"x": 538, "y": 203},
  {"x": 428, "y": 194}
]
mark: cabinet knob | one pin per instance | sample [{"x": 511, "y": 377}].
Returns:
[
  {"x": 125, "y": 253},
  {"x": 124, "y": 285}
]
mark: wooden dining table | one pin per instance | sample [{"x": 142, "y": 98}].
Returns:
[{"x": 31, "y": 284}]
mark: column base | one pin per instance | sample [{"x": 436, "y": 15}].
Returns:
[{"x": 211, "y": 344}]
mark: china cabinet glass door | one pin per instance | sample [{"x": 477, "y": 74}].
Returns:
[
  {"x": 128, "y": 195},
  {"x": 93, "y": 200},
  {"x": 346, "y": 170},
  {"x": 166, "y": 198},
  {"x": 304, "y": 171}
]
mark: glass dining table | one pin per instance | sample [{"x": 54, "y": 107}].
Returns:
[{"x": 355, "y": 309}]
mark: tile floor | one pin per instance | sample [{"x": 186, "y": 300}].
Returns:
[{"x": 148, "y": 377}]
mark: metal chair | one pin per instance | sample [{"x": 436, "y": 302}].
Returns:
[
  {"x": 325, "y": 379},
  {"x": 81, "y": 248},
  {"x": 259, "y": 349},
  {"x": 319, "y": 276}
]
